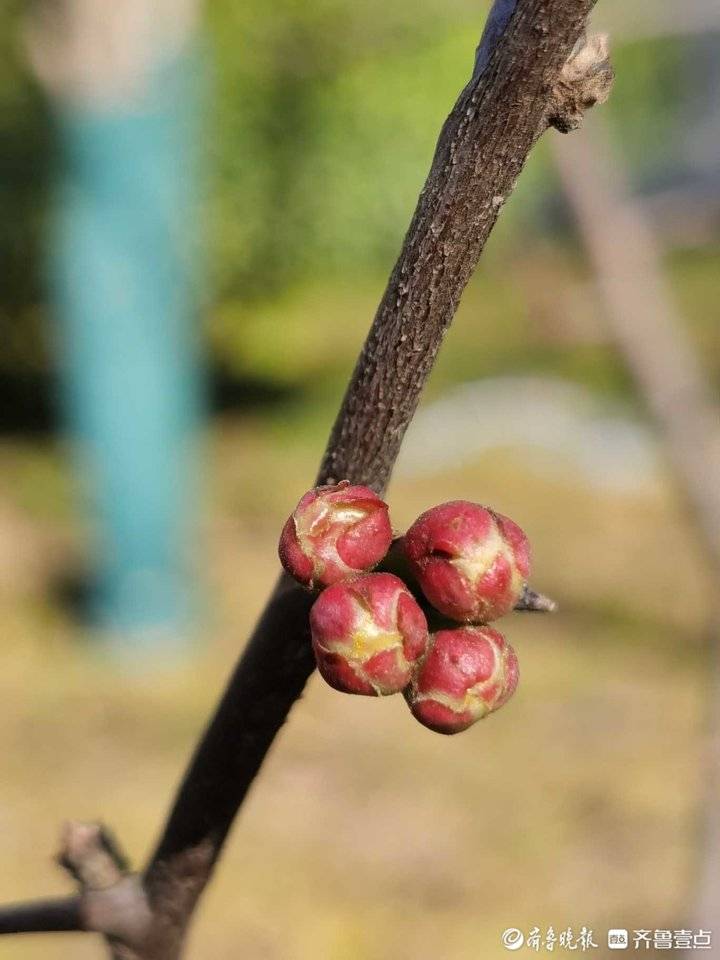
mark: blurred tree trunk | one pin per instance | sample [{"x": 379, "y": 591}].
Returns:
[
  {"x": 649, "y": 333},
  {"x": 123, "y": 270}
]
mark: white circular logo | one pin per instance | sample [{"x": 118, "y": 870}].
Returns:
[{"x": 513, "y": 938}]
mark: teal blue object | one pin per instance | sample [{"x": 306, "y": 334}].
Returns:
[{"x": 124, "y": 272}]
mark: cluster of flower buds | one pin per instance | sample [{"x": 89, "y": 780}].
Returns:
[{"x": 369, "y": 631}]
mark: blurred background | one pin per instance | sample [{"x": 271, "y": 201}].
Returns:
[{"x": 193, "y": 242}]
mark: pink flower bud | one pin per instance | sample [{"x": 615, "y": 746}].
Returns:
[
  {"x": 471, "y": 563},
  {"x": 468, "y": 673},
  {"x": 367, "y": 634},
  {"x": 335, "y": 532}
]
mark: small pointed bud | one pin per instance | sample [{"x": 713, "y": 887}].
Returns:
[
  {"x": 368, "y": 633},
  {"x": 468, "y": 673},
  {"x": 335, "y": 532},
  {"x": 472, "y": 564}
]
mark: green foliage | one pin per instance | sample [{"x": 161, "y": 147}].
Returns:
[
  {"x": 648, "y": 101},
  {"x": 25, "y": 145},
  {"x": 324, "y": 121},
  {"x": 320, "y": 122}
]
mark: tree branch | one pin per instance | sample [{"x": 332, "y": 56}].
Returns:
[
  {"x": 515, "y": 93},
  {"x": 42, "y": 916},
  {"x": 512, "y": 98},
  {"x": 111, "y": 900}
]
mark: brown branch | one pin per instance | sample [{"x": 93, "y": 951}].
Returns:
[
  {"x": 484, "y": 143},
  {"x": 111, "y": 901},
  {"x": 42, "y": 916},
  {"x": 518, "y": 90},
  {"x": 513, "y": 96}
]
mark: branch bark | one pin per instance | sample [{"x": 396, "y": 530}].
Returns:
[
  {"x": 42, "y": 916},
  {"x": 528, "y": 75},
  {"x": 524, "y": 81}
]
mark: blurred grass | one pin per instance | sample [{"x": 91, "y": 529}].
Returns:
[{"x": 525, "y": 311}]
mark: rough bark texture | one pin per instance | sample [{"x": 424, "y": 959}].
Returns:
[
  {"x": 514, "y": 94},
  {"x": 480, "y": 153}
]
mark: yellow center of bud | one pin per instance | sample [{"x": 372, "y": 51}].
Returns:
[
  {"x": 366, "y": 639},
  {"x": 475, "y": 565},
  {"x": 314, "y": 521}
]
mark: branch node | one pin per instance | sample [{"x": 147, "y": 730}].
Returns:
[
  {"x": 585, "y": 80},
  {"x": 90, "y": 854},
  {"x": 112, "y": 900}
]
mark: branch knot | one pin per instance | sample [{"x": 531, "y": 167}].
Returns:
[
  {"x": 584, "y": 81},
  {"x": 91, "y": 855}
]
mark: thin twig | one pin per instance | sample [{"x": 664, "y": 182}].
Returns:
[
  {"x": 42, "y": 916},
  {"x": 91, "y": 855},
  {"x": 532, "y": 602}
]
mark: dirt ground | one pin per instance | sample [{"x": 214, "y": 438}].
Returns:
[{"x": 368, "y": 837}]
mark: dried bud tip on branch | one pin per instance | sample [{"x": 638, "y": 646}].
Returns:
[
  {"x": 335, "y": 532},
  {"x": 535, "y": 602},
  {"x": 585, "y": 80},
  {"x": 471, "y": 563},
  {"x": 368, "y": 634},
  {"x": 89, "y": 852},
  {"x": 468, "y": 673}
]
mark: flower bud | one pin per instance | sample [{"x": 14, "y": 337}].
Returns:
[
  {"x": 470, "y": 562},
  {"x": 335, "y": 532},
  {"x": 367, "y": 634},
  {"x": 468, "y": 673}
]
